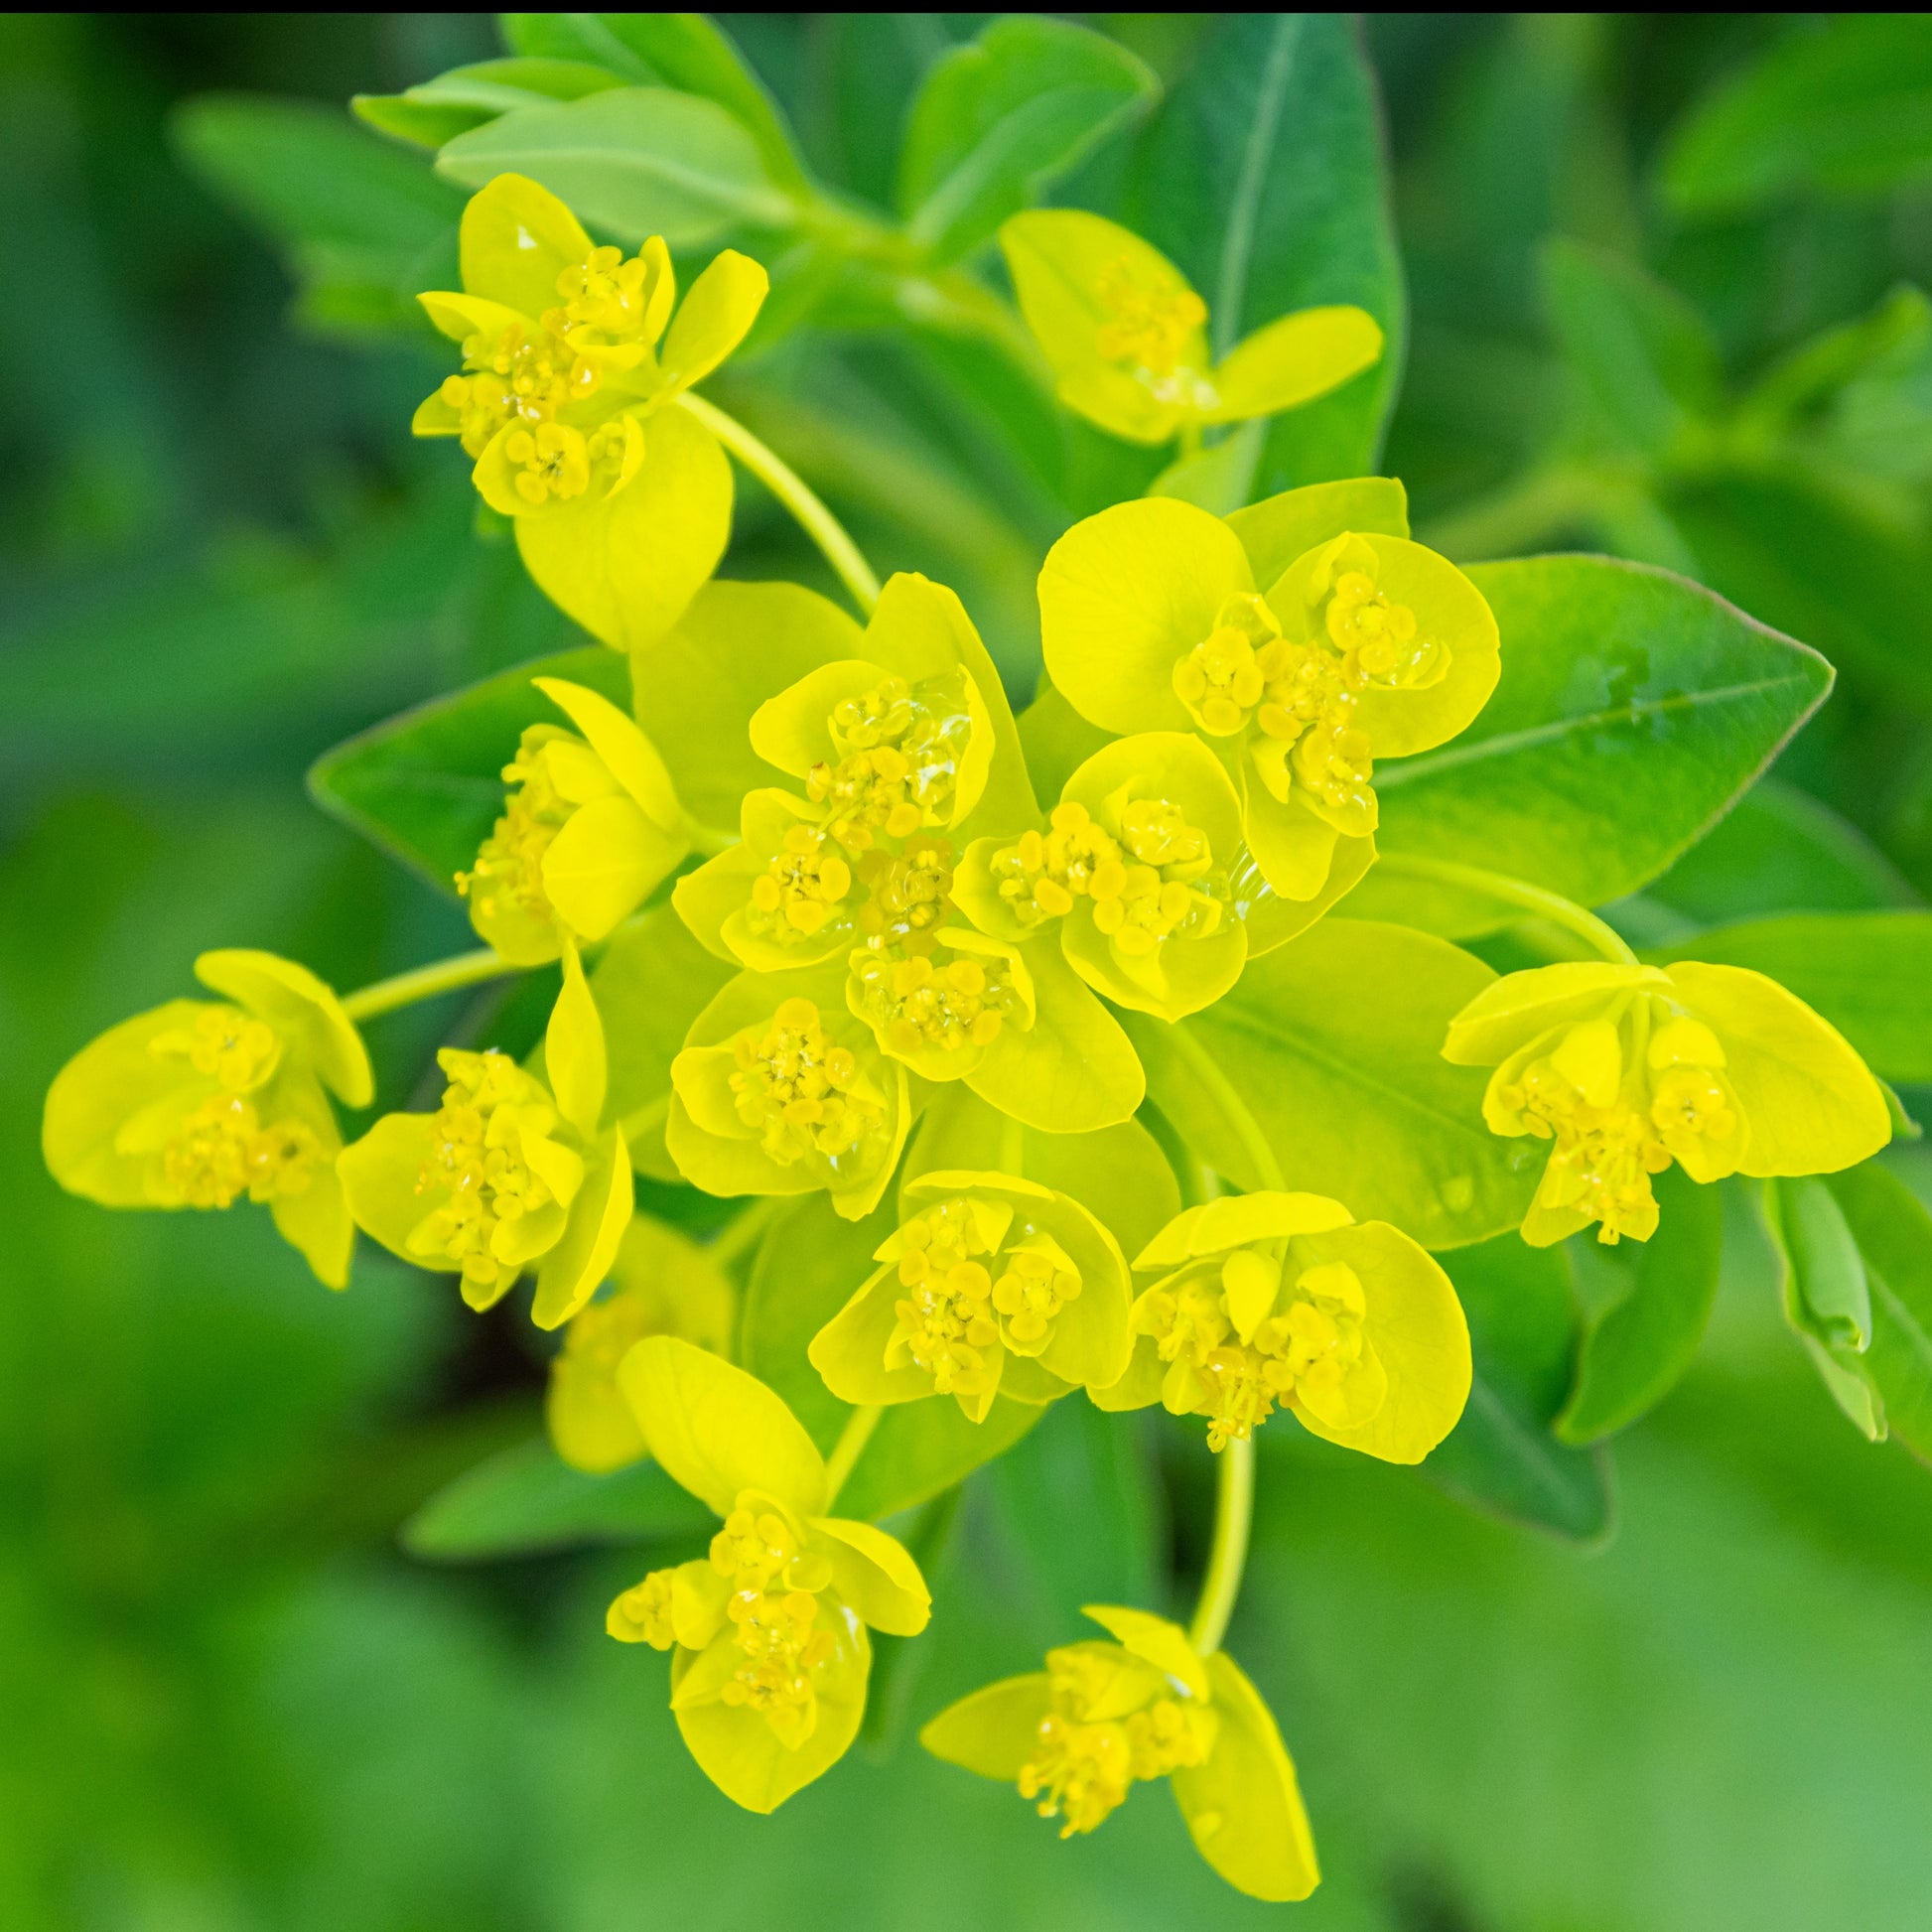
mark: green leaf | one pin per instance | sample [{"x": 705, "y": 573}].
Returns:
[
  {"x": 1827, "y": 1294},
  {"x": 527, "y": 1499},
  {"x": 1502, "y": 1456},
  {"x": 1634, "y": 708},
  {"x": 1333, "y": 1044},
  {"x": 436, "y": 111},
  {"x": 681, "y": 50},
  {"x": 808, "y": 1265},
  {"x": 349, "y": 211},
  {"x": 1261, "y": 176},
  {"x": 1778, "y": 850},
  {"x": 638, "y": 162},
  {"x": 1895, "y": 1236},
  {"x": 1646, "y": 359},
  {"x": 1869, "y": 973},
  {"x": 1645, "y": 1306},
  {"x": 1845, "y": 110},
  {"x": 997, "y": 120},
  {"x": 652, "y": 981},
  {"x": 428, "y": 786}
]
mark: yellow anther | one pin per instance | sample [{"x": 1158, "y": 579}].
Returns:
[
  {"x": 238, "y": 1050},
  {"x": 946, "y": 1323},
  {"x": 223, "y": 1151},
  {"x": 1378, "y": 639},
  {"x": 1039, "y": 878},
  {"x": 803, "y": 1094},
  {"x": 551, "y": 461},
  {"x": 1149, "y": 324},
  {"x": 802, "y": 888},
  {"x": 914, "y": 1004},
  {"x": 604, "y": 300},
  {"x": 482, "y": 404},
  {"x": 1691, "y": 1100},
  {"x": 508, "y": 879},
  {"x": 644, "y": 1615},
  {"x": 1041, "y": 1278},
  {"x": 1224, "y": 677},
  {"x": 492, "y": 1110},
  {"x": 773, "y": 1608},
  {"x": 538, "y": 373},
  {"x": 868, "y": 793},
  {"x": 907, "y": 894}
]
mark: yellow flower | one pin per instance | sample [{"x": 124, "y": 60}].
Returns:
[
  {"x": 508, "y": 1174},
  {"x": 780, "y": 1090},
  {"x": 1127, "y": 336},
  {"x": 591, "y": 827},
  {"x": 771, "y": 1656},
  {"x": 991, "y": 1285},
  {"x": 661, "y": 1284},
  {"x": 1077, "y": 1737},
  {"x": 1627, "y": 1068},
  {"x": 623, "y": 504},
  {"x": 198, "y": 1104},
  {"x": 1271, "y": 1300},
  {"x": 1365, "y": 646}
]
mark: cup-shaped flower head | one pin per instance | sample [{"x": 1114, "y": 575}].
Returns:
[
  {"x": 591, "y": 827},
  {"x": 768, "y": 1631},
  {"x": 1271, "y": 1301},
  {"x": 508, "y": 1174},
  {"x": 780, "y": 1090},
  {"x": 1138, "y": 867},
  {"x": 622, "y": 505},
  {"x": 1102, "y": 1717},
  {"x": 1627, "y": 1068},
  {"x": 1366, "y": 646},
  {"x": 661, "y": 1284},
  {"x": 1127, "y": 336},
  {"x": 991, "y": 1285},
  {"x": 893, "y": 755},
  {"x": 201, "y": 1103}
]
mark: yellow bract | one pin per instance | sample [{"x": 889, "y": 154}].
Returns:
[
  {"x": 198, "y": 1104},
  {"x": 591, "y": 827},
  {"x": 495, "y": 1181},
  {"x": 1271, "y": 1300},
  {"x": 661, "y": 1284},
  {"x": 769, "y": 1680},
  {"x": 1127, "y": 336},
  {"x": 622, "y": 507},
  {"x": 1627, "y": 1068},
  {"x": 1104, "y": 1717},
  {"x": 991, "y": 1285}
]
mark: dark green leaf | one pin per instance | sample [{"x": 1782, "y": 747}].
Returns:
[
  {"x": 1261, "y": 175},
  {"x": 1634, "y": 708},
  {"x": 1895, "y": 1236},
  {"x": 526, "y": 1500},
  {"x": 1869, "y": 973},
  {"x": 1848, "y": 109},
  {"x": 1334, "y": 1045},
  {"x": 1645, "y": 1306},
  {"x": 1647, "y": 363},
  {"x": 998, "y": 119},
  {"x": 1502, "y": 1456},
  {"x": 637, "y": 161},
  {"x": 428, "y": 786}
]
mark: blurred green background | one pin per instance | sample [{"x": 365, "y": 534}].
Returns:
[{"x": 229, "y": 1701}]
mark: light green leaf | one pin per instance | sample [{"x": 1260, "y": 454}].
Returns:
[
  {"x": 1282, "y": 528},
  {"x": 1895, "y": 1236},
  {"x": 637, "y": 161},
  {"x": 438, "y": 110},
  {"x": 1634, "y": 708},
  {"x": 1847, "y": 110},
  {"x": 998, "y": 119},
  {"x": 1261, "y": 176},
  {"x": 1502, "y": 1456},
  {"x": 1645, "y": 358},
  {"x": 1869, "y": 973},
  {"x": 1827, "y": 1294},
  {"x": 527, "y": 1499},
  {"x": 1644, "y": 1307},
  {"x": 682, "y": 51},
  {"x": 428, "y": 786},
  {"x": 1333, "y": 1044}
]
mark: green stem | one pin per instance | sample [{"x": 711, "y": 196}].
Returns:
[
  {"x": 1234, "y": 1110},
  {"x": 1234, "y": 1508},
  {"x": 1600, "y": 938},
  {"x": 750, "y": 1226},
  {"x": 848, "y": 1449},
  {"x": 791, "y": 489},
  {"x": 426, "y": 981}
]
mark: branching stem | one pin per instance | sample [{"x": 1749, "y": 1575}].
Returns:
[
  {"x": 848, "y": 1449},
  {"x": 1600, "y": 938},
  {"x": 426, "y": 981},
  {"x": 792, "y": 490},
  {"x": 1234, "y": 1506}
]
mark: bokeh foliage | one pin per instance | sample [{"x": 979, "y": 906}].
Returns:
[{"x": 1661, "y": 289}]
